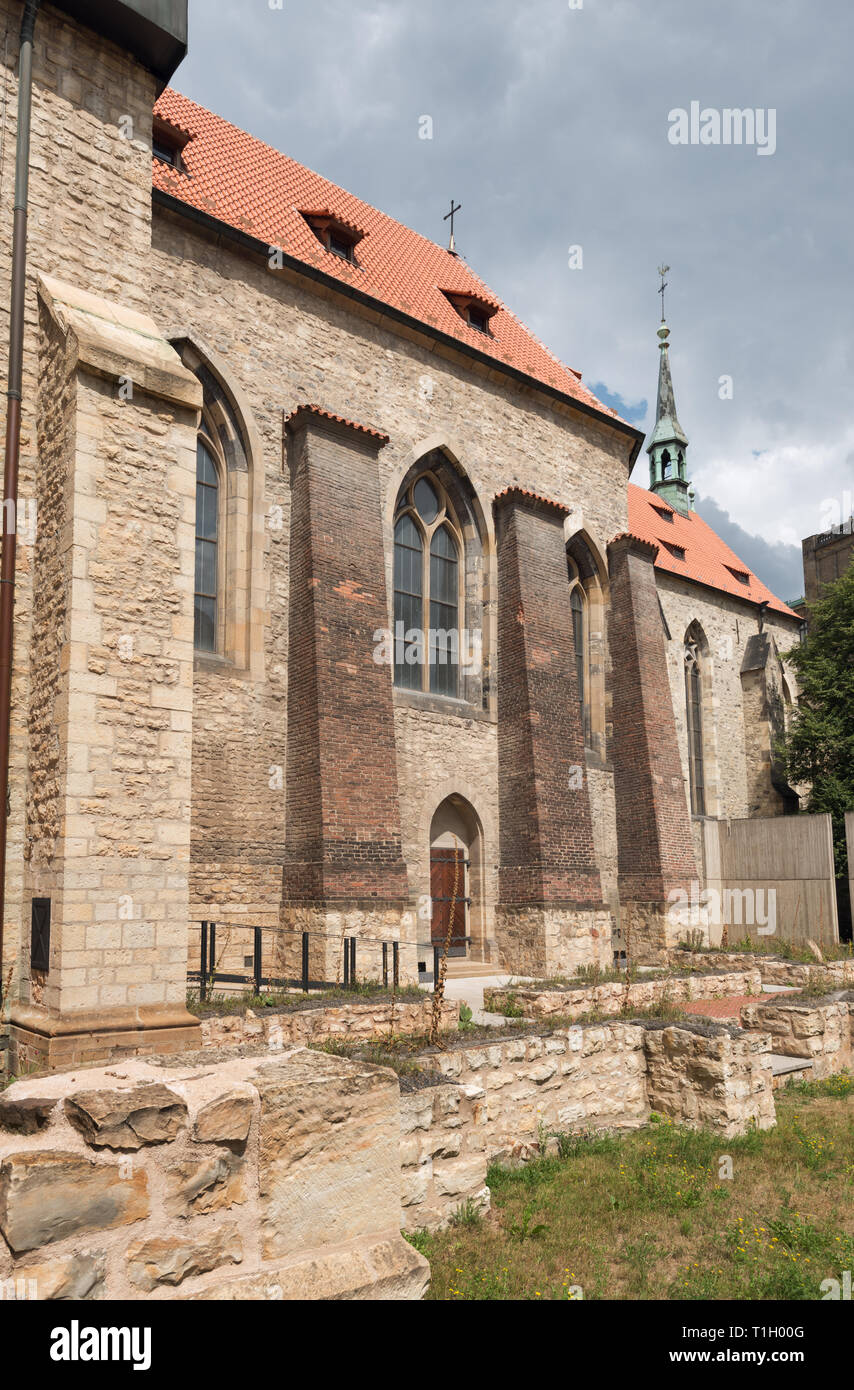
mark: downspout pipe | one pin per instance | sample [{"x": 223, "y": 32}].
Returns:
[{"x": 13, "y": 429}]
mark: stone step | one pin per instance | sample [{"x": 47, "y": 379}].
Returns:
[
  {"x": 783, "y": 1069},
  {"x": 487, "y": 1020},
  {"x": 470, "y": 969}
]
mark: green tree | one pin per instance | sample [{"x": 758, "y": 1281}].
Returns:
[{"x": 820, "y": 742}]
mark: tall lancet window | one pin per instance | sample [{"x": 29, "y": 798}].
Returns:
[
  {"x": 694, "y": 707},
  {"x": 207, "y": 550},
  {"x": 408, "y": 598},
  {"x": 578, "y": 604},
  {"x": 427, "y": 590}
]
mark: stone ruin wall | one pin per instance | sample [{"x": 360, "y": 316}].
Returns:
[{"x": 246, "y": 1179}]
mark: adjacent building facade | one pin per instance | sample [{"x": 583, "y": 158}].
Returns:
[{"x": 340, "y": 615}]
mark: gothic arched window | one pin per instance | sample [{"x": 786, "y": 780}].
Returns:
[
  {"x": 427, "y": 590},
  {"x": 694, "y": 709},
  {"x": 205, "y": 637}
]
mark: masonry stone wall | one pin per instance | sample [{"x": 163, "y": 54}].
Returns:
[
  {"x": 707, "y": 1076},
  {"x": 373, "y": 1019},
  {"x": 241, "y": 1180},
  {"x": 585, "y": 1077},
  {"x": 509, "y": 1101},
  {"x": 817, "y": 1030},
  {"x": 89, "y": 221},
  {"x": 777, "y": 970},
  {"x": 443, "y": 1154},
  {"x": 727, "y": 624},
  {"x": 616, "y": 997}
]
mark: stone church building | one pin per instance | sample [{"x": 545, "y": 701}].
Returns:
[{"x": 339, "y": 614}]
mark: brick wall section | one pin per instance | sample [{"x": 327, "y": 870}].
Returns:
[
  {"x": 343, "y": 839},
  {"x": 653, "y": 825},
  {"x": 545, "y": 835}
]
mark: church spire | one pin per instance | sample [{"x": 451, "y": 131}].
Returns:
[{"x": 668, "y": 443}]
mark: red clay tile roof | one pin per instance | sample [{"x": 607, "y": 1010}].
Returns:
[
  {"x": 708, "y": 560},
  {"x": 246, "y": 184},
  {"x": 522, "y": 494},
  {"x": 308, "y": 409}
]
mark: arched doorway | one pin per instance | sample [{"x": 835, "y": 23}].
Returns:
[{"x": 456, "y": 877}]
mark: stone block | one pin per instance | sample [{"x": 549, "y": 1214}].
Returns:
[
  {"x": 127, "y": 1120},
  {"x": 385, "y": 1268},
  {"x": 227, "y": 1119},
  {"x": 75, "y": 1278},
  {"x": 460, "y": 1177},
  {"x": 26, "y": 1116},
  {"x": 46, "y": 1197},
  {"x": 169, "y": 1261},
  {"x": 199, "y": 1186},
  {"x": 329, "y": 1152}
]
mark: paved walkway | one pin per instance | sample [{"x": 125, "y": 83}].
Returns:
[{"x": 730, "y": 1007}]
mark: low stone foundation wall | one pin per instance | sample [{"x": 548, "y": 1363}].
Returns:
[
  {"x": 578, "y": 1078},
  {"x": 371, "y": 1019},
  {"x": 710, "y": 1076},
  {"x": 257, "y": 1178},
  {"x": 819, "y": 1031},
  {"x": 774, "y": 970},
  {"x": 505, "y": 1101},
  {"x": 616, "y": 997},
  {"x": 443, "y": 1156}
]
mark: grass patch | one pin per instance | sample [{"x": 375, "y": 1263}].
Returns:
[
  {"x": 652, "y": 1214},
  {"x": 783, "y": 950},
  {"x": 397, "y": 1053},
  {"x": 287, "y": 1001}
]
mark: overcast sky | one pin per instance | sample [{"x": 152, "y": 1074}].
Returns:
[{"x": 551, "y": 126}]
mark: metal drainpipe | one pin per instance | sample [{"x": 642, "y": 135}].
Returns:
[{"x": 13, "y": 427}]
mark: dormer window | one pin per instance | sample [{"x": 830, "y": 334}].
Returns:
[
  {"x": 474, "y": 310},
  {"x": 666, "y": 514},
  {"x": 677, "y": 551},
  {"x": 336, "y": 235},
  {"x": 168, "y": 144},
  {"x": 741, "y": 575},
  {"x": 339, "y": 247}
]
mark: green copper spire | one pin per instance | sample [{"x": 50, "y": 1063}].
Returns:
[{"x": 668, "y": 443}]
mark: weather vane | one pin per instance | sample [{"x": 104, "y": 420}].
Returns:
[
  {"x": 452, "y": 214},
  {"x": 662, "y": 270}
]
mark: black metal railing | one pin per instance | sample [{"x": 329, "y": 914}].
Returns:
[{"x": 209, "y": 975}]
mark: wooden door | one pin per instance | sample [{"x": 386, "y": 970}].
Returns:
[{"x": 446, "y": 867}]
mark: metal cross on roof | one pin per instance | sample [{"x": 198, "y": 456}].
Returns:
[
  {"x": 452, "y": 214},
  {"x": 662, "y": 270}
]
